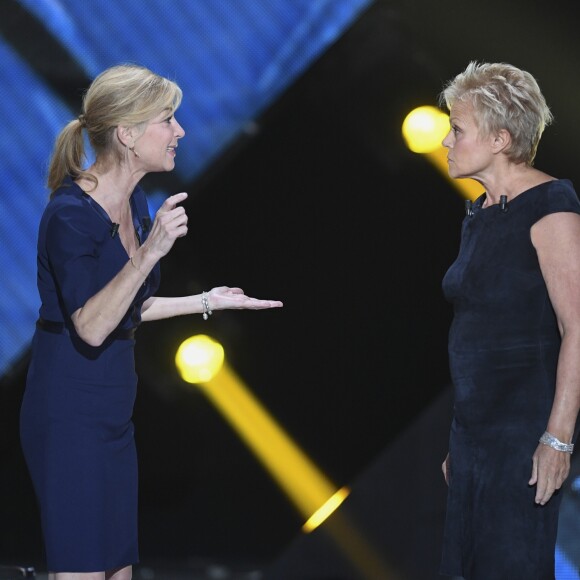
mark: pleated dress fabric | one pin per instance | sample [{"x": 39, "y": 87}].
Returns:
[
  {"x": 503, "y": 353},
  {"x": 76, "y": 428}
]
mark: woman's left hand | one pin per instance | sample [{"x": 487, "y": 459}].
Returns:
[
  {"x": 550, "y": 468},
  {"x": 226, "y": 298}
]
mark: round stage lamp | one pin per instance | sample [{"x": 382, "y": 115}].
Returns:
[
  {"x": 424, "y": 128},
  {"x": 199, "y": 358}
]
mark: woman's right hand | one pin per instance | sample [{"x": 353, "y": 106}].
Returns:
[
  {"x": 445, "y": 468},
  {"x": 170, "y": 223}
]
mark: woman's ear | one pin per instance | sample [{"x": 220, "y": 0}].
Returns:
[
  {"x": 501, "y": 141},
  {"x": 125, "y": 136}
]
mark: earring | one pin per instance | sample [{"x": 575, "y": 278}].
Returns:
[{"x": 132, "y": 149}]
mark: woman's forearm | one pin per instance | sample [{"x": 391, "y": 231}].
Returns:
[
  {"x": 567, "y": 397},
  {"x": 158, "y": 307},
  {"x": 101, "y": 313}
]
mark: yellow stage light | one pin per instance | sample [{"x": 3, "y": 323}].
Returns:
[
  {"x": 424, "y": 128},
  {"x": 199, "y": 358}
]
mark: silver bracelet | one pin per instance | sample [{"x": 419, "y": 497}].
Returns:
[
  {"x": 555, "y": 443},
  {"x": 205, "y": 305}
]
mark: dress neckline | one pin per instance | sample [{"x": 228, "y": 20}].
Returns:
[{"x": 478, "y": 204}]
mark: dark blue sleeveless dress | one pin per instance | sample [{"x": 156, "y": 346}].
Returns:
[
  {"x": 503, "y": 352},
  {"x": 76, "y": 429}
]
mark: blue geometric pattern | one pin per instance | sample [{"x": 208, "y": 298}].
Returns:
[
  {"x": 233, "y": 58},
  {"x": 30, "y": 117}
]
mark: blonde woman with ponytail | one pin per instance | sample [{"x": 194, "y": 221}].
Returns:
[{"x": 98, "y": 273}]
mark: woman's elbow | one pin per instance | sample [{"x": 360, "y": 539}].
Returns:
[
  {"x": 90, "y": 337},
  {"x": 88, "y": 332}
]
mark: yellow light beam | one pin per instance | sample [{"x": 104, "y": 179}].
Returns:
[
  {"x": 291, "y": 468},
  {"x": 325, "y": 510},
  {"x": 424, "y": 128},
  {"x": 200, "y": 360}
]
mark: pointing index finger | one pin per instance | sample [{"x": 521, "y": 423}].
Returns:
[{"x": 173, "y": 200}]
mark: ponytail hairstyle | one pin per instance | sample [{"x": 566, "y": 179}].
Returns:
[{"x": 126, "y": 94}]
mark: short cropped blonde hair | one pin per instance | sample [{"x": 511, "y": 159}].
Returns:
[{"x": 503, "y": 97}]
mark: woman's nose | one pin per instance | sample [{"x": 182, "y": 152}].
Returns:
[
  {"x": 179, "y": 131},
  {"x": 445, "y": 141}
]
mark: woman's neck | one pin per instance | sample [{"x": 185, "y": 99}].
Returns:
[
  {"x": 112, "y": 192},
  {"x": 515, "y": 180}
]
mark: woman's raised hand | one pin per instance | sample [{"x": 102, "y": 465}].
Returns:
[{"x": 170, "y": 223}]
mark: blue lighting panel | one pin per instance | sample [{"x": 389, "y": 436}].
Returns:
[
  {"x": 30, "y": 117},
  {"x": 232, "y": 58},
  {"x": 565, "y": 569}
]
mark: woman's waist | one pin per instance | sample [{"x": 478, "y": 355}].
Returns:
[
  {"x": 476, "y": 337},
  {"x": 59, "y": 327}
]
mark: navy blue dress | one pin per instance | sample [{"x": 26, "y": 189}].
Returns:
[
  {"x": 76, "y": 429},
  {"x": 503, "y": 353}
]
